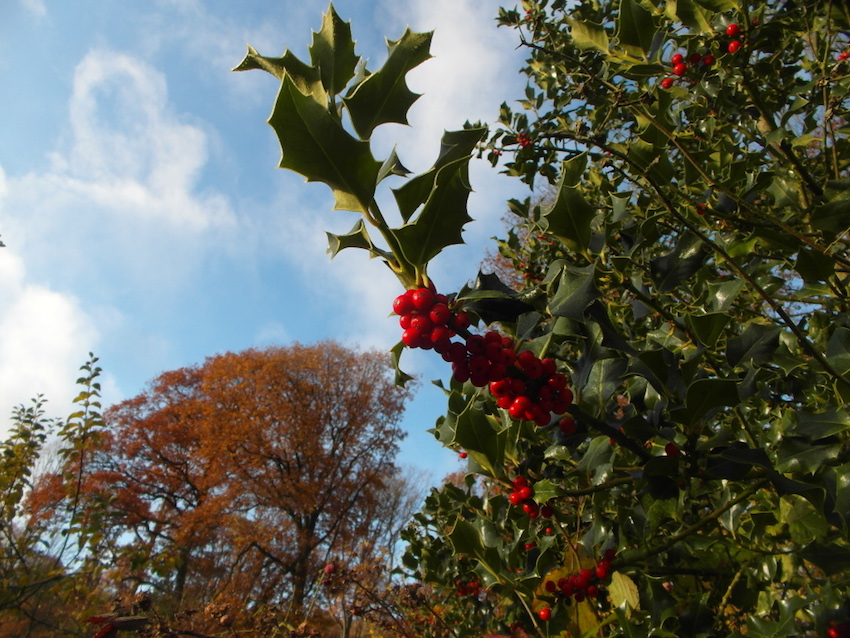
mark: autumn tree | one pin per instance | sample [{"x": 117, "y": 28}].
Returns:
[
  {"x": 237, "y": 479},
  {"x": 50, "y": 565}
]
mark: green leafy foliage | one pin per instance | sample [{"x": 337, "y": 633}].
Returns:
[{"x": 687, "y": 269}]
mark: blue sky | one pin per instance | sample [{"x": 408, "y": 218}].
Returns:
[{"x": 145, "y": 219}]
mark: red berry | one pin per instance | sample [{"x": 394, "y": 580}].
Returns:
[
  {"x": 708, "y": 60},
  {"x": 732, "y": 30},
  {"x": 530, "y": 546},
  {"x": 403, "y": 305},
  {"x": 734, "y": 45},
  {"x": 546, "y": 512},
  {"x": 500, "y": 388},
  {"x": 593, "y": 591},
  {"x": 677, "y": 58},
  {"x": 520, "y": 481},
  {"x": 461, "y": 321},
  {"x": 498, "y": 371},
  {"x": 456, "y": 352},
  {"x": 460, "y": 371},
  {"x": 567, "y": 425},
  {"x": 404, "y": 321},
  {"x": 550, "y": 586},
  {"x": 475, "y": 344},
  {"x": 695, "y": 57},
  {"x": 462, "y": 455},
  {"x": 531, "y": 508},
  {"x": 514, "y": 498},
  {"x": 411, "y": 338},
  {"x": 671, "y": 449},
  {"x": 526, "y": 492},
  {"x": 680, "y": 69},
  {"x": 557, "y": 382},
  {"x": 609, "y": 554},
  {"x": 666, "y": 83},
  {"x": 549, "y": 366},
  {"x": 544, "y": 614},
  {"x": 519, "y": 406},
  {"x": 421, "y": 323},
  {"x": 330, "y": 568},
  {"x": 843, "y": 55},
  {"x": 493, "y": 352},
  {"x": 508, "y": 356},
  {"x": 440, "y": 314},
  {"x": 479, "y": 365},
  {"x": 423, "y": 299},
  {"x": 602, "y": 570},
  {"x": 440, "y": 334}
]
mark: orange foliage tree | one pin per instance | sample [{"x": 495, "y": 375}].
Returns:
[{"x": 236, "y": 481}]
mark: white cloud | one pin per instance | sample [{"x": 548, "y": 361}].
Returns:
[
  {"x": 129, "y": 152},
  {"x": 44, "y": 338}
]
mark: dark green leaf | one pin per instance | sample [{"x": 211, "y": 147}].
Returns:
[
  {"x": 814, "y": 266},
  {"x": 677, "y": 266},
  {"x": 635, "y": 28},
  {"x": 821, "y": 425},
  {"x": 756, "y": 344},
  {"x": 332, "y": 52},
  {"x": 799, "y": 456},
  {"x": 455, "y": 145},
  {"x": 587, "y": 35},
  {"x": 830, "y": 557},
  {"x": 708, "y": 328},
  {"x": 576, "y": 290},
  {"x": 706, "y": 394},
  {"x": 441, "y": 220},
  {"x": 570, "y": 215},
  {"x": 314, "y": 144},
  {"x": 304, "y": 76},
  {"x": 384, "y": 96},
  {"x": 357, "y": 237}
]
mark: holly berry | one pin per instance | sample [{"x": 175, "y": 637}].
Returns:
[
  {"x": 677, "y": 58},
  {"x": 666, "y": 83},
  {"x": 671, "y": 449},
  {"x": 708, "y": 60},
  {"x": 732, "y": 30},
  {"x": 843, "y": 55},
  {"x": 544, "y": 614},
  {"x": 680, "y": 69},
  {"x": 734, "y": 45}
]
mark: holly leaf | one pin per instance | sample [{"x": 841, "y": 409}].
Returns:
[
  {"x": 314, "y": 144},
  {"x": 677, "y": 266},
  {"x": 570, "y": 215},
  {"x": 332, "y": 52},
  {"x": 455, "y": 145},
  {"x": 635, "y": 28},
  {"x": 304, "y": 76},
  {"x": 706, "y": 394},
  {"x": 384, "y": 96},
  {"x": 357, "y": 237},
  {"x": 441, "y": 220}
]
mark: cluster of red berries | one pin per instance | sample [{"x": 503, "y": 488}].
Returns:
[
  {"x": 427, "y": 320},
  {"x": 523, "y": 496},
  {"x": 532, "y": 388},
  {"x": 584, "y": 584},
  {"x": 469, "y": 588},
  {"x": 680, "y": 65},
  {"x": 523, "y": 140},
  {"x": 529, "y": 388}
]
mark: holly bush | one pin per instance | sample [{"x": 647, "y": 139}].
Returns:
[{"x": 656, "y": 421}]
